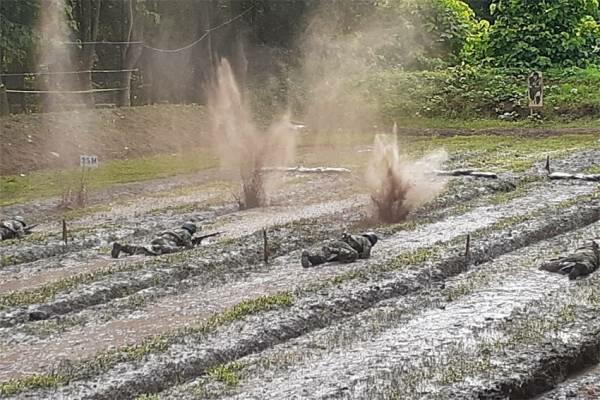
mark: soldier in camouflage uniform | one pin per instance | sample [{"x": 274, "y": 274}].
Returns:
[
  {"x": 346, "y": 250},
  {"x": 583, "y": 261},
  {"x": 164, "y": 243},
  {"x": 13, "y": 228}
]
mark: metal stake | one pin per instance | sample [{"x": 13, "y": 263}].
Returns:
[
  {"x": 64, "y": 231},
  {"x": 265, "y": 247}
]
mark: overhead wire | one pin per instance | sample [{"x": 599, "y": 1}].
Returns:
[{"x": 192, "y": 44}]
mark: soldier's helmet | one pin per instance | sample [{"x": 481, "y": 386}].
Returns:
[
  {"x": 372, "y": 237},
  {"x": 21, "y": 220},
  {"x": 190, "y": 227}
]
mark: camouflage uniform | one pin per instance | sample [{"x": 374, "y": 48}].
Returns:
[
  {"x": 11, "y": 229},
  {"x": 583, "y": 261},
  {"x": 164, "y": 243},
  {"x": 347, "y": 250}
]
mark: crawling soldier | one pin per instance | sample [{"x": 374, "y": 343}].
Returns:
[
  {"x": 583, "y": 261},
  {"x": 346, "y": 250},
  {"x": 165, "y": 242},
  {"x": 13, "y": 228}
]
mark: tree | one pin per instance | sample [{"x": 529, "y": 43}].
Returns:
[
  {"x": 17, "y": 18},
  {"x": 428, "y": 31},
  {"x": 131, "y": 52},
  {"x": 86, "y": 18},
  {"x": 544, "y": 33}
]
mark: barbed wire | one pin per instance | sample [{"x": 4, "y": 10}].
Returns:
[
  {"x": 146, "y": 46},
  {"x": 64, "y": 91},
  {"x": 94, "y": 71},
  {"x": 101, "y": 42},
  {"x": 195, "y": 42}
]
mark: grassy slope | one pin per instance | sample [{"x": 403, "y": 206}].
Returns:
[
  {"x": 499, "y": 153},
  {"x": 18, "y": 189}
]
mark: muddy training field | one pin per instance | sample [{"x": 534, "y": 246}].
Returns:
[{"x": 423, "y": 318}]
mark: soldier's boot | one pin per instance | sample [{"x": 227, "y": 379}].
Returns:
[
  {"x": 129, "y": 250},
  {"x": 116, "y": 250},
  {"x": 310, "y": 260},
  {"x": 577, "y": 270},
  {"x": 304, "y": 260},
  {"x": 141, "y": 250},
  {"x": 554, "y": 266}
]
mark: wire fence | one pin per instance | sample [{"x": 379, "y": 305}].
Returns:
[
  {"x": 88, "y": 91},
  {"x": 49, "y": 73},
  {"x": 10, "y": 86}
]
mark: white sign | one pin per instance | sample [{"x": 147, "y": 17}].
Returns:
[
  {"x": 535, "y": 91},
  {"x": 88, "y": 161}
]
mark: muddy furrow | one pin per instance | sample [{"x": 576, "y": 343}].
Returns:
[
  {"x": 358, "y": 357},
  {"x": 236, "y": 255},
  {"x": 314, "y": 311},
  {"x": 284, "y": 274},
  {"x": 139, "y": 220},
  {"x": 584, "y": 385},
  {"x": 99, "y": 230},
  {"x": 235, "y": 225},
  {"x": 557, "y": 337}
]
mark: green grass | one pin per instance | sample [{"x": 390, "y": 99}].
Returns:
[
  {"x": 593, "y": 170},
  {"x": 17, "y": 189},
  {"x": 489, "y": 123},
  {"x": 15, "y": 386},
  {"x": 505, "y": 153},
  {"x": 226, "y": 373}
]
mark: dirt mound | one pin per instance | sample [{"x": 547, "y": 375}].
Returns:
[{"x": 27, "y": 142}]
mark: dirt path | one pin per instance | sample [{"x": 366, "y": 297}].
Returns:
[
  {"x": 285, "y": 274},
  {"x": 136, "y": 222},
  {"x": 442, "y": 335},
  {"x": 583, "y": 386}
]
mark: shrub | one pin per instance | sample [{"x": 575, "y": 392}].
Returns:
[{"x": 543, "y": 33}]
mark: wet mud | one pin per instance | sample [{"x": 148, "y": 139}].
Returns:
[{"x": 417, "y": 319}]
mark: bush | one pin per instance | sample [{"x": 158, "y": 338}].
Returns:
[
  {"x": 573, "y": 92},
  {"x": 434, "y": 30},
  {"x": 459, "y": 92},
  {"x": 469, "y": 92},
  {"x": 543, "y": 33}
]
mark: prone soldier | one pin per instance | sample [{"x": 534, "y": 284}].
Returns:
[
  {"x": 345, "y": 250},
  {"x": 14, "y": 228},
  {"x": 583, "y": 261},
  {"x": 165, "y": 242}
]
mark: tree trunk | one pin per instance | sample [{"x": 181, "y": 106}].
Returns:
[
  {"x": 3, "y": 100},
  {"x": 89, "y": 23},
  {"x": 131, "y": 52}
]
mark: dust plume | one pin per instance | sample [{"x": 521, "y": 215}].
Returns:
[
  {"x": 397, "y": 184},
  {"x": 345, "y": 44},
  {"x": 68, "y": 127},
  {"x": 242, "y": 145}
]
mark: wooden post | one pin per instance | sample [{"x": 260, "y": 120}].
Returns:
[
  {"x": 265, "y": 247},
  {"x": 547, "y": 163},
  {"x": 64, "y": 231},
  {"x": 468, "y": 248},
  {"x": 3, "y": 101}
]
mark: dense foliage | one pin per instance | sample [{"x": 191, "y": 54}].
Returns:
[
  {"x": 544, "y": 33},
  {"x": 447, "y": 58},
  {"x": 17, "y": 36}
]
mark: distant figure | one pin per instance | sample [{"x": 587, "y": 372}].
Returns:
[
  {"x": 13, "y": 228},
  {"x": 347, "y": 250},
  {"x": 535, "y": 89},
  {"x": 164, "y": 243},
  {"x": 583, "y": 261}
]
